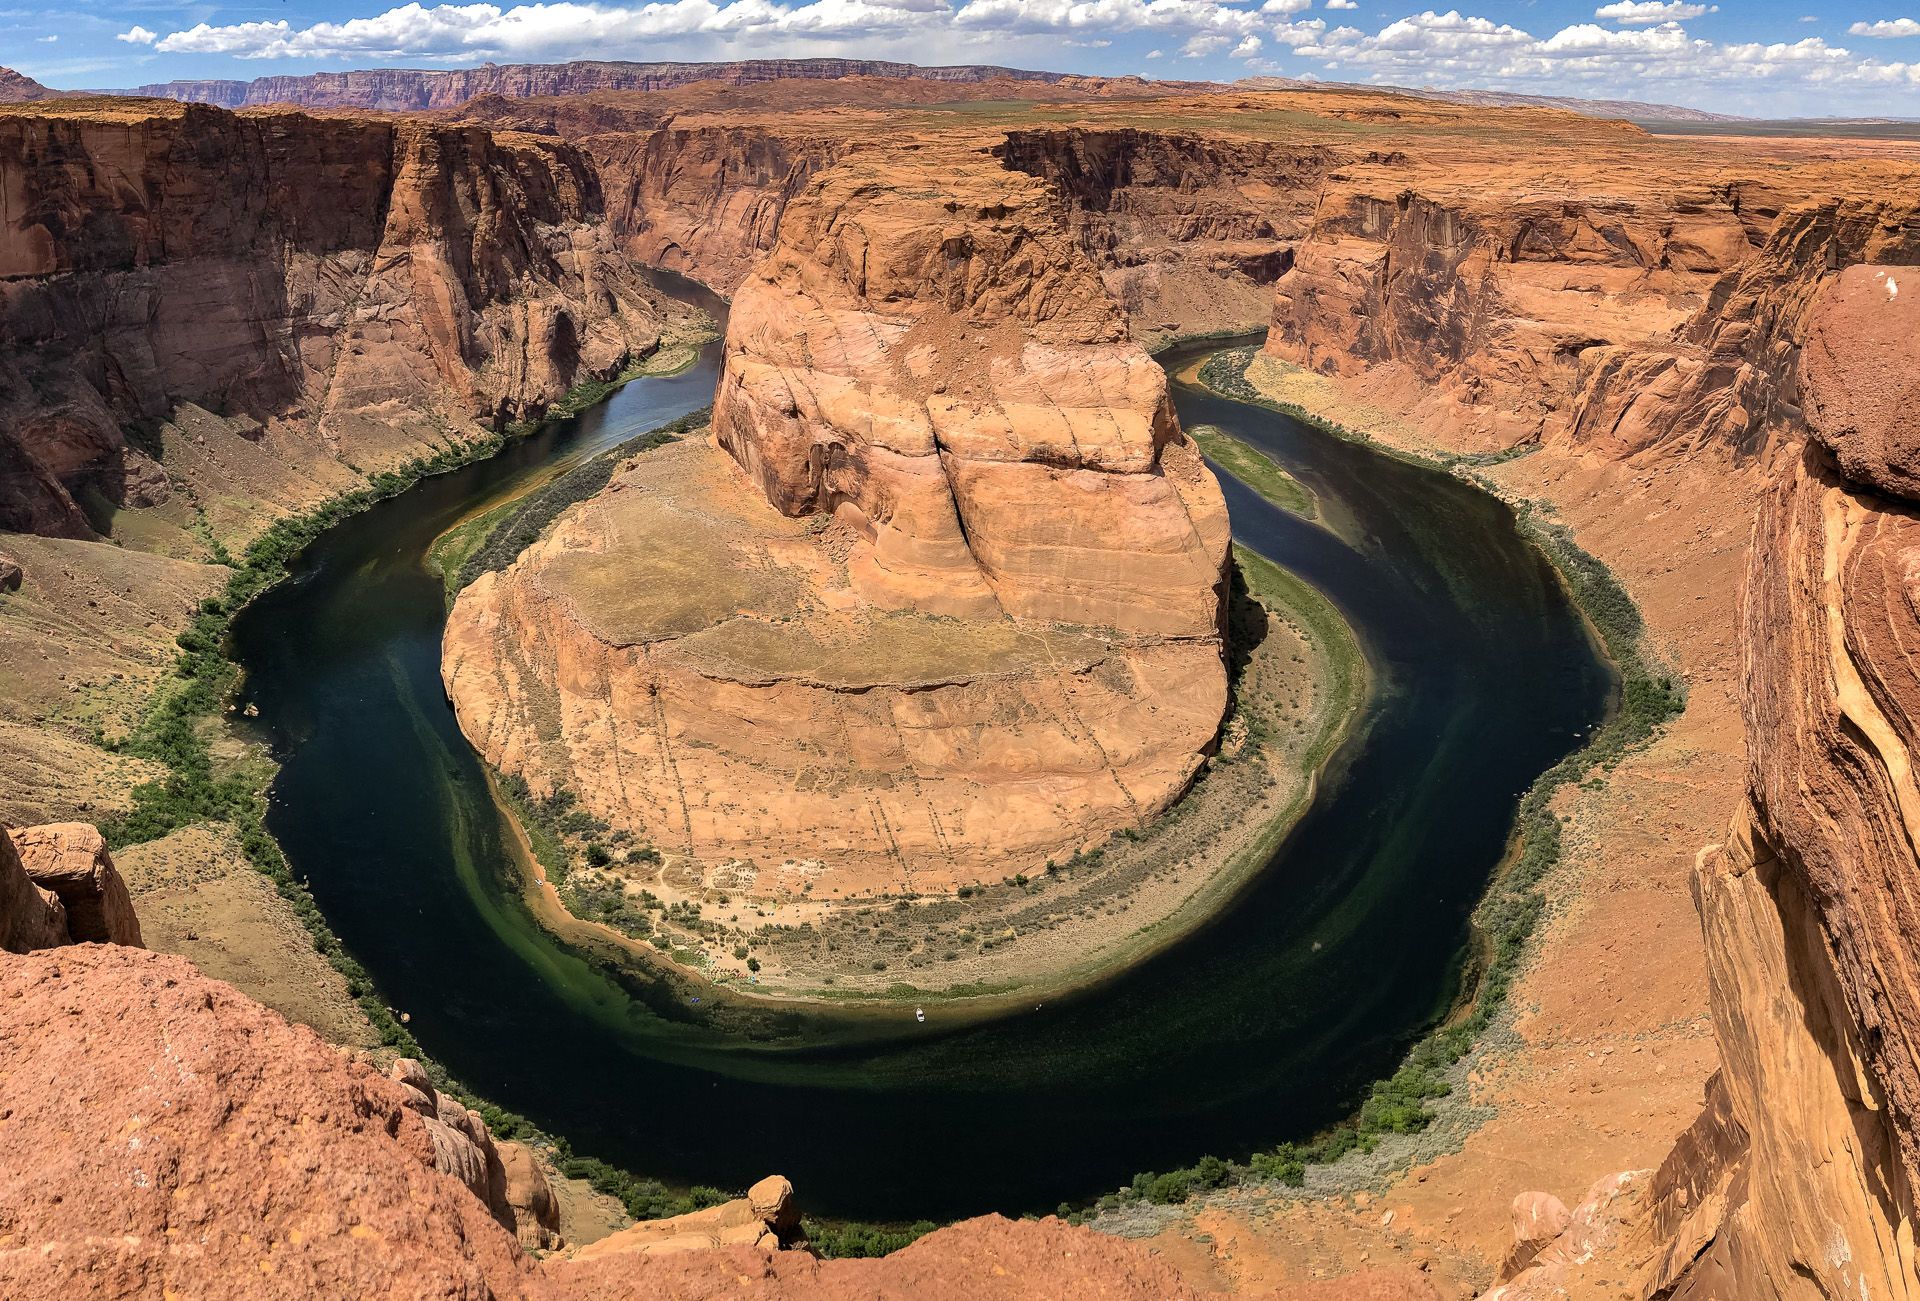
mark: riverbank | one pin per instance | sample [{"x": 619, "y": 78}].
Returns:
[
  {"x": 1597, "y": 1058},
  {"x": 1299, "y": 683},
  {"x": 1395, "y": 1127}
]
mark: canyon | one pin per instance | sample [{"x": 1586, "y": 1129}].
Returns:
[{"x": 1649, "y": 342}]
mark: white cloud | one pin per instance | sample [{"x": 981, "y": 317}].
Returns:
[
  {"x": 46, "y": 40},
  {"x": 1634, "y": 49},
  {"x": 1886, "y": 29},
  {"x": 1634, "y": 13}
]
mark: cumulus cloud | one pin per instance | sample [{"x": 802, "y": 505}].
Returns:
[
  {"x": 1634, "y": 13},
  {"x": 1633, "y": 48},
  {"x": 1886, "y": 29}
]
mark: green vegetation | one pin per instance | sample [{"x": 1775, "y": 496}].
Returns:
[
  {"x": 645, "y": 1199},
  {"x": 1255, "y": 469},
  {"x": 1505, "y": 919},
  {"x": 847, "y": 1239},
  {"x": 498, "y": 537}
]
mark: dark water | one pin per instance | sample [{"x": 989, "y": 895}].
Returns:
[{"x": 1261, "y": 1026}]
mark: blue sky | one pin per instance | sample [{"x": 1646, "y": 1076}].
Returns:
[{"x": 1764, "y": 57}]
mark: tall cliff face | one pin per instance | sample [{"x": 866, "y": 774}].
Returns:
[
  {"x": 705, "y": 201},
  {"x": 1798, "y": 1178},
  {"x": 1190, "y": 231},
  {"x": 961, "y": 573},
  {"x": 1512, "y": 313},
  {"x": 942, "y": 370},
  {"x": 363, "y": 287},
  {"x": 415, "y": 89}
]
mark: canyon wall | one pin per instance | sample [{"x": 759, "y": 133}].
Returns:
[
  {"x": 963, "y": 574},
  {"x": 416, "y": 89},
  {"x": 1797, "y": 1178},
  {"x": 1511, "y": 316},
  {"x": 353, "y": 291},
  {"x": 1190, "y": 231}
]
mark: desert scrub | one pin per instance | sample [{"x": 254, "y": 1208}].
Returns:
[{"x": 1649, "y": 695}]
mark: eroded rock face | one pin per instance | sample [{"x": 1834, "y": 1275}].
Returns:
[
  {"x": 413, "y": 89},
  {"x": 947, "y": 604},
  {"x": 165, "y": 1134},
  {"x": 942, "y": 370},
  {"x": 368, "y": 286},
  {"x": 1797, "y": 1178},
  {"x": 1510, "y": 308},
  {"x": 211, "y": 1149},
  {"x": 767, "y": 1218},
  {"x": 71, "y": 860}
]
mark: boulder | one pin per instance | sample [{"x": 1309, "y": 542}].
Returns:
[
  {"x": 10, "y": 573},
  {"x": 766, "y": 1218},
  {"x": 529, "y": 1195},
  {"x": 71, "y": 860}
]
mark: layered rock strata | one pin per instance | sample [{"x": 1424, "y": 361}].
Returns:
[
  {"x": 417, "y": 89},
  {"x": 959, "y": 574},
  {"x": 1797, "y": 1178},
  {"x": 342, "y": 291}
]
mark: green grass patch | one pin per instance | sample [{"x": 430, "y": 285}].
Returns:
[{"x": 1256, "y": 469}]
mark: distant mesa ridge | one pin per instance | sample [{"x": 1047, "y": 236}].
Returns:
[{"x": 414, "y": 89}]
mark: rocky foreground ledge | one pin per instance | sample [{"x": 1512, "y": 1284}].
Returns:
[{"x": 163, "y": 1135}]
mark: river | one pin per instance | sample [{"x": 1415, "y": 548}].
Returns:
[{"x": 1263, "y": 1025}]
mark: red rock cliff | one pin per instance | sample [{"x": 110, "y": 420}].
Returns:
[{"x": 367, "y": 286}]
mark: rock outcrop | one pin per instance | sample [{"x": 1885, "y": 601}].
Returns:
[
  {"x": 71, "y": 860},
  {"x": 1509, "y": 308},
  {"x": 1190, "y": 231},
  {"x": 58, "y": 885},
  {"x": 165, "y": 1135},
  {"x": 31, "y": 916},
  {"x": 962, "y": 613},
  {"x": 504, "y": 1175},
  {"x": 351, "y": 291},
  {"x": 767, "y": 1218}
]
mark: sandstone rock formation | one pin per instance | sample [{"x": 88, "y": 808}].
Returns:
[
  {"x": 504, "y": 1175},
  {"x": 767, "y": 1218},
  {"x": 11, "y": 575},
  {"x": 352, "y": 291},
  {"x": 164, "y": 1134},
  {"x": 58, "y": 885},
  {"x": 71, "y": 860},
  {"x": 961, "y": 616},
  {"x": 1797, "y": 1178},
  {"x": 31, "y": 916}
]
